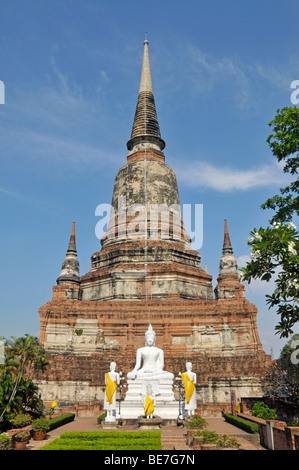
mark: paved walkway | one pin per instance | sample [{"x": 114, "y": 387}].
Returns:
[{"x": 172, "y": 436}]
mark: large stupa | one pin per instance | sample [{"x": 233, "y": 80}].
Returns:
[{"x": 146, "y": 272}]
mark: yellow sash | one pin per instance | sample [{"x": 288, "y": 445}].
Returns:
[
  {"x": 149, "y": 406},
  {"x": 189, "y": 386},
  {"x": 110, "y": 388}
]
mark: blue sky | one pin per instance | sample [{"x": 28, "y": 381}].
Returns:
[{"x": 71, "y": 71}]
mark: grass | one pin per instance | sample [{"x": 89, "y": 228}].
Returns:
[{"x": 102, "y": 440}]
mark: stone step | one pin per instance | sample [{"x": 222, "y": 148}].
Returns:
[{"x": 174, "y": 439}]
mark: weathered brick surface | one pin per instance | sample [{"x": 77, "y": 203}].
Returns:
[{"x": 127, "y": 321}]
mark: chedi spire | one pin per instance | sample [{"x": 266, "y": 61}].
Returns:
[
  {"x": 227, "y": 246},
  {"x": 70, "y": 266},
  {"x": 228, "y": 263},
  {"x": 228, "y": 282},
  {"x": 145, "y": 131}
]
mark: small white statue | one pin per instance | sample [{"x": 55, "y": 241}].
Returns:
[
  {"x": 152, "y": 358},
  {"x": 112, "y": 380},
  {"x": 189, "y": 380},
  {"x": 149, "y": 401}
]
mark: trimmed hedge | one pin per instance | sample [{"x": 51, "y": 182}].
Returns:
[
  {"x": 61, "y": 420},
  {"x": 99, "y": 440},
  {"x": 242, "y": 423},
  {"x": 81, "y": 445},
  {"x": 96, "y": 435}
]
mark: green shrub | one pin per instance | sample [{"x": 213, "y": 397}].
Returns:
[
  {"x": 101, "y": 417},
  {"x": 207, "y": 437},
  {"x": 227, "y": 441},
  {"x": 40, "y": 424},
  {"x": 96, "y": 435},
  {"x": 261, "y": 410},
  {"x": 195, "y": 422},
  {"x": 242, "y": 423},
  {"x": 293, "y": 423},
  {"x": 61, "y": 420},
  {"x": 81, "y": 445},
  {"x": 220, "y": 440},
  {"x": 22, "y": 436},
  {"x": 101, "y": 440},
  {"x": 5, "y": 441},
  {"x": 21, "y": 420}
]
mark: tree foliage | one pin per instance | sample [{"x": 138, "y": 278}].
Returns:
[
  {"x": 284, "y": 143},
  {"x": 280, "y": 379},
  {"x": 275, "y": 255},
  {"x": 18, "y": 393},
  {"x": 275, "y": 249}
]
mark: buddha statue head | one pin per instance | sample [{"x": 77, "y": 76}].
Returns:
[{"x": 150, "y": 336}]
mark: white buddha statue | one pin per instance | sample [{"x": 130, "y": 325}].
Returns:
[
  {"x": 152, "y": 359},
  {"x": 112, "y": 380},
  {"x": 189, "y": 379}
]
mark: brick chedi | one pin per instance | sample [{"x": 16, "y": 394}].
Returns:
[{"x": 147, "y": 272}]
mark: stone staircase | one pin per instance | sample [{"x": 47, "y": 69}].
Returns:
[{"x": 173, "y": 438}]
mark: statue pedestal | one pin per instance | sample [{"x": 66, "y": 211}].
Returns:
[
  {"x": 109, "y": 424},
  {"x": 166, "y": 406},
  {"x": 150, "y": 424}
]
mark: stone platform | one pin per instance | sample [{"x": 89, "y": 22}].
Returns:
[
  {"x": 165, "y": 404},
  {"x": 150, "y": 424}
]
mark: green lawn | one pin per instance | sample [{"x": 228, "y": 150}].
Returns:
[{"x": 101, "y": 440}]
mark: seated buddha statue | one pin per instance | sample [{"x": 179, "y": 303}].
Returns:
[{"x": 152, "y": 360}]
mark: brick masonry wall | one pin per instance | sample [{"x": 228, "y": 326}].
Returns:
[
  {"x": 285, "y": 437},
  {"x": 118, "y": 329}
]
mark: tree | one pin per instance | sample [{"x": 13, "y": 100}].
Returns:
[
  {"x": 17, "y": 390},
  {"x": 280, "y": 379},
  {"x": 275, "y": 249},
  {"x": 284, "y": 143}
]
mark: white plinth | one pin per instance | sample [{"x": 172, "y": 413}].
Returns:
[
  {"x": 165, "y": 404},
  {"x": 110, "y": 419}
]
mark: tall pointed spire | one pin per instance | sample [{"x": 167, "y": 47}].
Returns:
[
  {"x": 146, "y": 79},
  {"x": 228, "y": 263},
  {"x": 70, "y": 266},
  {"x": 228, "y": 285},
  {"x": 145, "y": 128},
  {"x": 72, "y": 243},
  {"x": 227, "y": 246}
]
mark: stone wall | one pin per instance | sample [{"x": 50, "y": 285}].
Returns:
[
  {"x": 275, "y": 435},
  {"x": 225, "y": 327},
  {"x": 219, "y": 337}
]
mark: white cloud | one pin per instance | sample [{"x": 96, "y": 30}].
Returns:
[
  {"x": 8, "y": 192},
  {"x": 56, "y": 123},
  {"x": 206, "y": 72},
  {"x": 50, "y": 149},
  {"x": 230, "y": 179},
  {"x": 243, "y": 82}
]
